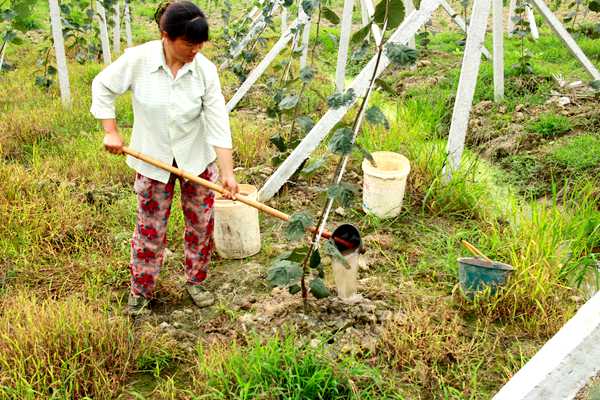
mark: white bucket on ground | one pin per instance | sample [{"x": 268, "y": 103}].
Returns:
[
  {"x": 237, "y": 231},
  {"x": 383, "y": 187}
]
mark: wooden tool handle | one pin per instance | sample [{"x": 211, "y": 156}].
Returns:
[
  {"x": 217, "y": 188},
  {"x": 475, "y": 251}
]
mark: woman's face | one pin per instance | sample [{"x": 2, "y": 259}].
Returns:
[{"x": 182, "y": 50}]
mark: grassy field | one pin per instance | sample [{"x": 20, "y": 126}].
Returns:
[{"x": 527, "y": 194}]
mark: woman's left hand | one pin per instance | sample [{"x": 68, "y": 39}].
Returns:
[{"x": 230, "y": 184}]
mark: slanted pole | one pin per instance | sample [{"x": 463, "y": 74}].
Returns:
[
  {"x": 535, "y": 34},
  {"x": 59, "y": 50},
  {"x": 457, "y": 19},
  {"x": 367, "y": 6},
  {"x": 566, "y": 38},
  {"x": 408, "y": 8},
  {"x": 411, "y": 24},
  {"x": 104, "y": 41},
  {"x": 344, "y": 45},
  {"x": 466, "y": 85},
  {"x": 498, "y": 39},
  {"x": 284, "y": 22},
  {"x": 305, "y": 37},
  {"x": 261, "y": 67}
]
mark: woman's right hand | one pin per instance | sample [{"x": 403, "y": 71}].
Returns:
[{"x": 113, "y": 142}]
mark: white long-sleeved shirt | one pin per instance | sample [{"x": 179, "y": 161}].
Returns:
[{"x": 176, "y": 118}]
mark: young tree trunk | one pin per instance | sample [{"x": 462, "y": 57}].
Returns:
[
  {"x": 128, "y": 24},
  {"x": 103, "y": 33},
  {"x": 59, "y": 50},
  {"x": 117, "y": 29},
  {"x": 5, "y": 45}
]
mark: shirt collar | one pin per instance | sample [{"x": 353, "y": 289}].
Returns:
[{"x": 157, "y": 60}]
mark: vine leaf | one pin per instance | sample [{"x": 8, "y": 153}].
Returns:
[
  {"x": 288, "y": 102},
  {"x": 366, "y": 153},
  {"x": 333, "y": 252},
  {"x": 295, "y": 288},
  {"x": 309, "y": 6},
  {"x": 307, "y": 74},
  {"x": 318, "y": 288},
  {"x": 313, "y": 165},
  {"x": 400, "y": 54},
  {"x": 343, "y": 193},
  {"x": 375, "y": 116},
  {"x": 339, "y": 99},
  {"x": 284, "y": 273},
  {"x": 595, "y": 84},
  {"x": 341, "y": 141},
  {"x": 297, "y": 225},
  {"x": 315, "y": 259},
  {"x": 278, "y": 142},
  {"x": 395, "y": 13},
  {"x": 306, "y": 123},
  {"x": 330, "y": 15},
  {"x": 361, "y": 34},
  {"x": 594, "y": 5}
]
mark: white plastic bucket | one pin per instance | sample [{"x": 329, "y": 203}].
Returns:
[
  {"x": 346, "y": 276},
  {"x": 383, "y": 187},
  {"x": 237, "y": 231}
]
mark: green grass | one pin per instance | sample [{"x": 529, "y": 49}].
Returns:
[
  {"x": 550, "y": 125},
  {"x": 578, "y": 153}
]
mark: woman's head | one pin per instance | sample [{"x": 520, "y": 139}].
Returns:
[{"x": 183, "y": 25}]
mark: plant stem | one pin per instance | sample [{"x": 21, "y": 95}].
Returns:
[{"x": 312, "y": 54}]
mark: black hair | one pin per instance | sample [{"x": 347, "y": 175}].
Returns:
[{"x": 182, "y": 19}]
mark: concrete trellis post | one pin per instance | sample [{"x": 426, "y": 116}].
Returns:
[
  {"x": 367, "y": 5},
  {"x": 457, "y": 19},
  {"x": 59, "y": 50},
  {"x": 284, "y": 22},
  {"x": 412, "y": 23},
  {"x": 117, "y": 28},
  {"x": 408, "y": 8},
  {"x": 127, "y": 18},
  {"x": 466, "y": 85},
  {"x": 305, "y": 37},
  {"x": 535, "y": 34},
  {"x": 498, "y": 39},
  {"x": 562, "y": 33},
  {"x": 103, "y": 33},
  {"x": 344, "y": 45}
]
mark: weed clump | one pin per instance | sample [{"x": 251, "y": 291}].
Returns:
[
  {"x": 550, "y": 125},
  {"x": 61, "y": 349},
  {"x": 580, "y": 153}
]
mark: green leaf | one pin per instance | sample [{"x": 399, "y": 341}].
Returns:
[
  {"x": 361, "y": 34},
  {"x": 278, "y": 142},
  {"x": 329, "y": 248},
  {"x": 318, "y": 288},
  {"x": 298, "y": 254},
  {"x": 366, "y": 154},
  {"x": 284, "y": 273},
  {"x": 400, "y": 54},
  {"x": 309, "y": 6},
  {"x": 7, "y": 15},
  {"x": 330, "y": 15},
  {"x": 341, "y": 141},
  {"x": 595, "y": 84},
  {"x": 297, "y": 225},
  {"x": 339, "y": 99},
  {"x": 313, "y": 165},
  {"x": 52, "y": 70},
  {"x": 375, "y": 116},
  {"x": 360, "y": 52},
  {"x": 288, "y": 102},
  {"x": 395, "y": 13},
  {"x": 343, "y": 193},
  {"x": 307, "y": 74},
  {"x": 315, "y": 259},
  {"x": 295, "y": 288},
  {"x": 287, "y": 3},
  {"x": 306, "y": 123},
  {"x": 594, "y": 5}
]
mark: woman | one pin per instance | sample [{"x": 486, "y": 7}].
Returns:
[{"x": 179, "y": 118}]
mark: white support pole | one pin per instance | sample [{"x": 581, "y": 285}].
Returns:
[
  {"x": 284, "y": 23},
  {"x": 408, "y": 8},
  {"x": 305, "y": 37},
  {"x": 367, "y": 5},
  {"x": 364, "y": 15},
  {"x": 117, "y": 28},
  {"x": 59, "y": 50},
  {"x": 2, "y": 55},
  {"x": 128, "y": 35},
  {"x": 535, "y": 34},
  {"x": 257, "y": 26},
  {"x": 498, "y": 39},
  {"x": 411, "y": 24},
  {"x": 261, "y": 67},
  {"x": 510, "y": 26},
  {"x": 466, "y": 85},
  {"x": 457, "y": 19},
  {"x": 344, "y": 45},
  {"x": 566, "y": 38},
  {"x": 103, "y": 33}
]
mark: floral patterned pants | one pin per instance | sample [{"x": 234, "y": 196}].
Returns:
[{"x": 150, "y": 235}]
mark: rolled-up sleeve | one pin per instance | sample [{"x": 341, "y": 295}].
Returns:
[
  {"x": 216, "y": 117},
  {"x": 108, "y": 84}
]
